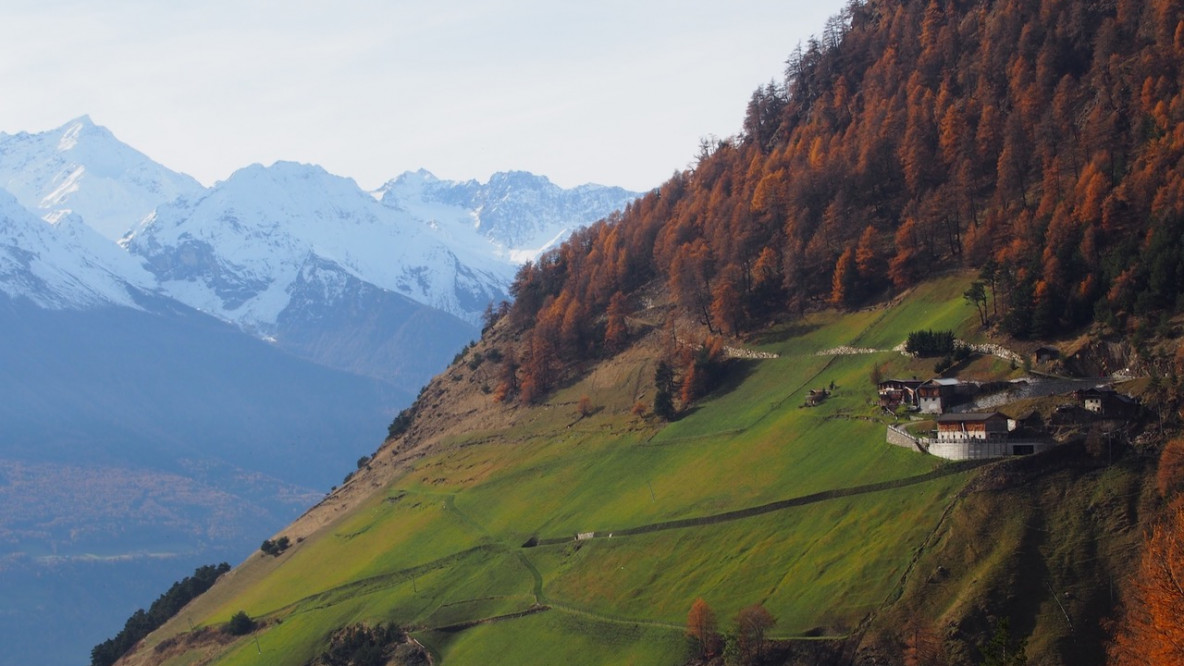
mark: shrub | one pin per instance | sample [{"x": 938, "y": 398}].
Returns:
[
  {"x": 361, "y": 645},
  {"x": 705, "y": 370},
  {"x": 401, "y": 423},
  {"x": 275, "y": 548},
  {"x": 944, "y": 364},
  {"x": 240, "y": 624}
]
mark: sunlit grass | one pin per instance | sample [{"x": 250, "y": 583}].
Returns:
[{"x": 443, "y": 544}]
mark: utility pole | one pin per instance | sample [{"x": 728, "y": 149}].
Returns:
[
  {"x": 1057, "y": 599},
  {"x": 651, "y": 487}
]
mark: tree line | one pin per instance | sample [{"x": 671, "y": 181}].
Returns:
[{"x": 142, "y": 623}]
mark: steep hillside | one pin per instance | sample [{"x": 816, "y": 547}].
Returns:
[{"x": 464, "y": 529}]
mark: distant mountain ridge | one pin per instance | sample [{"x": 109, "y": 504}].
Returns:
[
  {"x": 450, "y": 245},
  {"x": 522, "y": 213},
  {"x": 297, "y": 256}
]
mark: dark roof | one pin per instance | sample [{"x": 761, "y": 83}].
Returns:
[
  {"x": 905, "y": 382},
  {"x": 969, "y": 418}
]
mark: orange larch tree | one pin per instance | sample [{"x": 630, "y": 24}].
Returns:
[
  {"x": 616, "y": 330},
  {"x": 702, "y": 627},
  {"x": 845, "y": 280},
  {"x": 726, "y": 308},
  {"x": 1151, "y": 627}
]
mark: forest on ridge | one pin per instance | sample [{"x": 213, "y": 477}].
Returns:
[{"x": 1038, "y": 141}]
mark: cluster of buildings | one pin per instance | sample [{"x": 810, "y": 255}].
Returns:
[
  {"x": 978, "y": 435},
  {"x": 932, "y": 396}
]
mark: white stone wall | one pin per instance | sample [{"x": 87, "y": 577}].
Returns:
[
  {"x": 979, "y": 449},
  {"x": 930, "y": 405}
]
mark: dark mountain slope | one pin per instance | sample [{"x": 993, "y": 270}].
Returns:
[
  {"x": 139, "y": 443},
  {"x": 117, "y": 385}
]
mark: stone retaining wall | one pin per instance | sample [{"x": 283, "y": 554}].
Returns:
[{"x": 900, "y": 437}]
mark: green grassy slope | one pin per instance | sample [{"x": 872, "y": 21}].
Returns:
[{"x": 440, "y": 548}]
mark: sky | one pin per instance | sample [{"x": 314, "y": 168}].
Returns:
[{"x": 612, "y": 92}]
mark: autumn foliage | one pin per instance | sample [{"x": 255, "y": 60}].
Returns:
[
  {"x": 922, "y": 646},
  {"x": 702, "y": 627},
  {"x": 752, "y": 622},
  {"x": 1169, "y": 476},
  {"x": 1040, "y": 141},
  {"x": 1151, "y": 628}
]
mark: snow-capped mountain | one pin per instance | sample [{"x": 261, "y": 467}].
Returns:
[
  {"x": 520, "y": 213},
  {"x": 385, "y": 283},
  {"x": 82, "y": 168},
  {"x": 64, "y": 264},
  {"x": 242, "y": 250},
  {"x": 313, "y": 263}
]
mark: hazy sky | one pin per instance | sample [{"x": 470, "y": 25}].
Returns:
[{"x": 612, "y": 92}]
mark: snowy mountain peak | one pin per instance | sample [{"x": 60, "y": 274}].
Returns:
[
  {"x": 512, "y": 179},
  {"x": 70, "y": 137},
  {"x": 523, "y": 214},
  {"x": 286, "y": 179},
  {"x": 64, "y": 264},
  {"x": 82, "y": 168},
  {"x": 240, "y": 252},
  {"x": 420, "y": 176}
]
